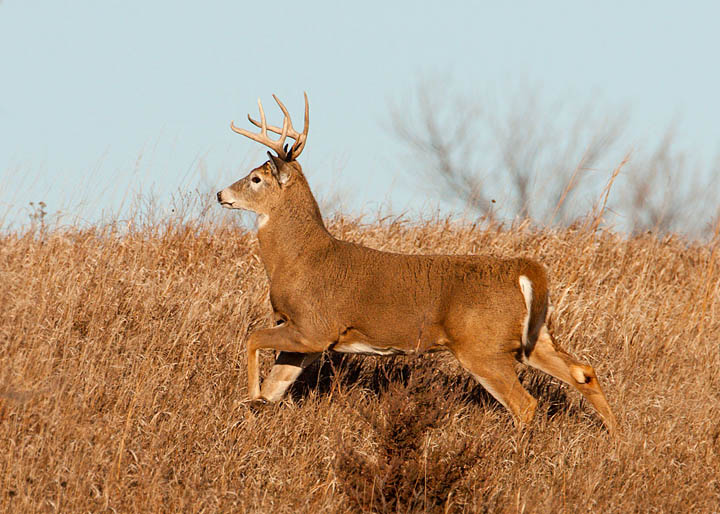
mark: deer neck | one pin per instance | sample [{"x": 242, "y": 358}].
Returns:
[{"x": 292, "y": 233}]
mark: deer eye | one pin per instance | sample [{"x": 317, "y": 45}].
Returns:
[{"x": 256, "y": 180}]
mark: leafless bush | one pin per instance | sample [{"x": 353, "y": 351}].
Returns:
[
  {"x": 521, "y": 157},
  {"x": 667, "y": 190}
]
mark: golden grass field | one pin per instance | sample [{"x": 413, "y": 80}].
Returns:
[{"x": 123, "y": 383}]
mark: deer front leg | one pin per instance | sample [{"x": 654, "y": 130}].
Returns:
[
  {"x": 285, "y": 371},
  {"x": 285, "y": 338}
]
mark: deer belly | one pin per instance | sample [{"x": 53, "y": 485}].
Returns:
[{"x": 365, "y": 349}]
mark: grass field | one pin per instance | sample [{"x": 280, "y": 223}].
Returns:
[{"x": 123, "y": 383}]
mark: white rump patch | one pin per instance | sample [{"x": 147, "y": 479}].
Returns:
[
  {"x": 365, "y": 349},
  {"x": 527, "y": 291},
  {"x": 262, "y": 219}
]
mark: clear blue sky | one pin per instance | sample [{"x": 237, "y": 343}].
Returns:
[{"x": 98, "y": 97}]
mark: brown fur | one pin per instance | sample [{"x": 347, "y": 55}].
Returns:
[{"x": 329, "y": 294}]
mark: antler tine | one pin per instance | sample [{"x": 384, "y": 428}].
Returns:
[
  {"x": 299, "y": 138},
  {"x": 262, "y": 118},
  {"x": 300, "y": 141},
  {"x": 287, "y": 123},
  {"x": 263, "y": 137},
  {"x": 291, "y": 131}
]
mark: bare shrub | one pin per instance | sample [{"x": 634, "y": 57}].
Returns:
[
  {"x": 667, "y": 190},
  {"x": 520, "y": 156},
  {"x": 514, "y": 157}
]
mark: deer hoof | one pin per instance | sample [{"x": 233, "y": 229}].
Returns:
[{"x": 258, "y": 404}]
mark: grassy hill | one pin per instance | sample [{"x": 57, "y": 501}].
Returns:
[{"x": 123, "y": 383}]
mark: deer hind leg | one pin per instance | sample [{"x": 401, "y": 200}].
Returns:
[
  {"x": 285, "y": 338},
  {"x": 497, "y": 375},
  {"x": 285, "y": 371},
  {"x": 550, "y": 358}
]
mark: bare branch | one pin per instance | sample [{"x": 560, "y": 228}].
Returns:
[
  {"x": 520, "y": 153},
  {"x": 546, "y": 161}
]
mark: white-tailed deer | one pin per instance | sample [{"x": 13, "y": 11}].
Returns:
[{"x": 329, "y": 294}]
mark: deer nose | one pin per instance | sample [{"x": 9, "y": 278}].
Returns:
[{"x": 219, "y": 196}]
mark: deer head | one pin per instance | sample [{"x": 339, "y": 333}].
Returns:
[{"x": 267, "y": 187}]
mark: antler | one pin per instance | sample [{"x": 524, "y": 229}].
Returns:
[{"x": 287, "y": 130}]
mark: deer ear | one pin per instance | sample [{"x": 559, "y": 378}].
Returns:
[{"x": 278, "y": 169}]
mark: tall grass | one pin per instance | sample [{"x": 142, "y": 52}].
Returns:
[{"x": 123, "y": 382}]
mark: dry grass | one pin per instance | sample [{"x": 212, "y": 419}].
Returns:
[{"x": 122, "y": 383}]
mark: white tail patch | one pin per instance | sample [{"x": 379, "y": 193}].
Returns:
[{"x": 527, "y": 291}]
